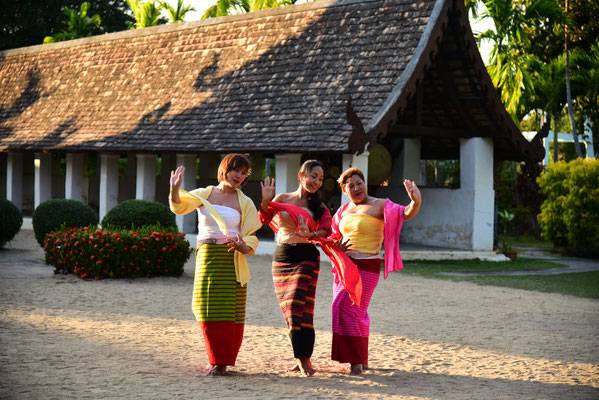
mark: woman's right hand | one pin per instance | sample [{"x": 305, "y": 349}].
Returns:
[
  {"x": 343, "y": 245},
  {"x": 177, "y": 178},
  {"x": 268, "y": 189}
]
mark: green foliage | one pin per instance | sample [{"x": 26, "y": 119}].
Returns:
[
  {"x": 26, "y": 23},
  {"x": 138, "y": 213},
  {"x": 11, "y": 220},
  {"x": 52, "y": 214},
  {"x": 116, "y": 253},
  {"x": 79, "y": 25},
  {"x": 229, "y": 7},
  {"x": 176, "y": 14},
  {"x": 570, "y": 214},
  {"x": 146, "y": 13}
]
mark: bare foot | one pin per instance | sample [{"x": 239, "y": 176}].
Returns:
[
  {"x": 216, "y": 370},
  {"x": 356, "y": 369},
  {"x": 304, "y": 365}
]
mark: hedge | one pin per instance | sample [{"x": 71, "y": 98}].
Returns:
[
  {"x": 570, "y": 215},
  {"x": 137, "y": 213},
  {"x": 93, "y": 253},
  {"x": 52, "y": 214},
  {"x": 11, "y": 221}
]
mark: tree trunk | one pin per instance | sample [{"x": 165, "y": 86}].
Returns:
[
  {"x": 555, "y": 143},
  {"x": 569, "y": 93}
]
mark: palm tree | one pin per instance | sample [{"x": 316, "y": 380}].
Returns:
[
  {"x": 146, "y": 13},
  {"x": 79, "y": 25},
  {"x": 507, "y": 67},
  {"x": 569, "y": 91},
  {"x": 229, "y": 7},
  {"x": 176, "y": 14}
]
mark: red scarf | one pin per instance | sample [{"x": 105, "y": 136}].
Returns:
[{"x": 347, "y": 271}]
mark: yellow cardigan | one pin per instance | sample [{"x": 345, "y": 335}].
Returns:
[{"x": 250, "y": 223}]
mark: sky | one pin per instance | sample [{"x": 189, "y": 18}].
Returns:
[{"x": 202, "y": 5}]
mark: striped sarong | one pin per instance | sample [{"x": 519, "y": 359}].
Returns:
[
  {"x": 218, "y": 303},
  {"x": 351, "y": 324},
  {"x": 295, "y": 271}
]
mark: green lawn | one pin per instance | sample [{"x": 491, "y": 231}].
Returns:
[{"x": 583, "y": 284}]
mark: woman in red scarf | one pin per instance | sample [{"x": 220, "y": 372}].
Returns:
[{"x": 299, "y": 218}]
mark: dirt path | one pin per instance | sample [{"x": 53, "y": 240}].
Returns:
[{"x": 62, "y": 337}]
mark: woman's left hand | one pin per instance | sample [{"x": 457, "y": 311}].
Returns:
[
  {"x": 304, "y": 230},
  {"x": 238, "y": 244},
  {"x": 412, "y": 190}
]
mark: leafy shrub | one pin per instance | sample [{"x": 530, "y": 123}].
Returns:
[
  {"x": 137, "y": 213},
  {"x": 52, "y": 214},
  {"x": 570, "y": 214},
  {"x": 94, "y": 253},
  {"x": 11, "y": 220}
]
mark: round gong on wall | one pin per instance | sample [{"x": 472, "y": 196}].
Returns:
[{"x": 379, "y": 164}]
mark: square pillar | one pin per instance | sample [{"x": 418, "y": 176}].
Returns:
[
  {"x": 14, "y": 179},
  {"x": 74, "y": 176},
  {"x": 187, "y": 222},
  {"x": 476, "y": 177},
  {"x": 411, "y": 160},
  {"x": 357, "y": 161},
  {"x": 43, "y": 178},
  {"x": 145, "y": 188},
  {"x": 109, "y": 183},
  {"x": 286, "y": 169}
]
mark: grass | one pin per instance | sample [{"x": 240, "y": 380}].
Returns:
[
  {"x": 582, "y": 284},
  {"x": 529, "y": 241}
]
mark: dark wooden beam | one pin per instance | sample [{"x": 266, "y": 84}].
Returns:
[{"x": 428, "y": 131}]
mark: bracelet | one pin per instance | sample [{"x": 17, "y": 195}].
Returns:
[{"x": 314, "y": 234}]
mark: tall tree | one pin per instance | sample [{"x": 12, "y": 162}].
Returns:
[
  {"x": 176, "y": 14},
  {"x": 569, "y": 91},
  {"x": 509, "y": 39},
  {"x": 27, "y": 22},
  {"x": 79, "y": 25}
]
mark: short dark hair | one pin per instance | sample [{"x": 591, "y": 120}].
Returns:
[
  {"x": 348, "y": 173},
  {"x": 234, "y": 161}
]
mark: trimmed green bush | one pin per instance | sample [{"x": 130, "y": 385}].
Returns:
[
  {"x": 93, "y": 253},
  {"x": 11, "y": 220},
  {"x": 52, "y": 214},
  {"x": 132, "y": 214},
  {"x": 570, "y": 215}
]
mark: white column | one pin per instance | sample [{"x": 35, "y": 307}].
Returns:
[
  {"x": 476, "y": 178},
  {"x": 74, "y": 176},
  {"x": 146, "y": 177},
  {"x": 43, "y": 178},
  {"x": 14, "y": 179},
  {"x": 186, "y": 223},
  {"x": 354, "y": 161},
  {"x": 411, "y": 160},
  {"x": 109, "y": 182},
  {"x": 286, "y": 169}
]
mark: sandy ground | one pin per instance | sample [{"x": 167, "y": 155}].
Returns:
[{"x": 62, "y": 337}]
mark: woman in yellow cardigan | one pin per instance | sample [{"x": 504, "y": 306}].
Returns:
[{"x": 227, "y": 222}]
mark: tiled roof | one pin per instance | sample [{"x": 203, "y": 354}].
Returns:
[{"x": 274, "y": 80}]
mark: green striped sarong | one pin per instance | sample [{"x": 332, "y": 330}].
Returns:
[{"x": 218, "y": 303}]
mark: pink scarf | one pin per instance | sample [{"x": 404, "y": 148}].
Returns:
[
  {"x": 393, "y": 217},
  {"x": 345, "y": 267}
]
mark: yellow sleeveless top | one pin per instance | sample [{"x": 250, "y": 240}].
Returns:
[{"x": 365, "y": 232}]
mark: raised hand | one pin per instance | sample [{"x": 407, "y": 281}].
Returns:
[
  {"x": 268, "y": 189},
  {"x": 412, "y": 190},
  {"x": 177, "y": 178}
]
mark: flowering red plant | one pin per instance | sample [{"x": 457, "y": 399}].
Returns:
[{"x": 116, "y": 253}]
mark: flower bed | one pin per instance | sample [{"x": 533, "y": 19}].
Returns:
[{"x": 95, "y": 253}]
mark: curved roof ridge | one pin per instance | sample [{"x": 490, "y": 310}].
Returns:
[{"x": 438, "y": 16}]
